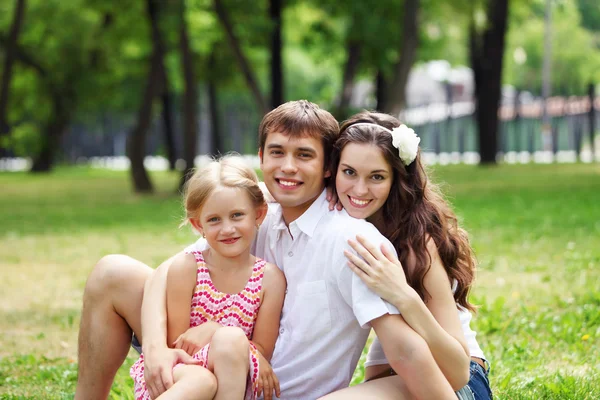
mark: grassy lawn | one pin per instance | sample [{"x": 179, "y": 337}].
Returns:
[{"x": 535, "y": 228}]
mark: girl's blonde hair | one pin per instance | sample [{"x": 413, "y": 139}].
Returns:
[{"x": 228, "y": 171}]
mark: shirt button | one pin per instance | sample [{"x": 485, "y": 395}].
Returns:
[
  {"x": 290, "y": 254},
  {"x": 281, "y": 331}
]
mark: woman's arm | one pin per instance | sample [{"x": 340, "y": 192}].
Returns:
[{"x": 436, "y": 322}]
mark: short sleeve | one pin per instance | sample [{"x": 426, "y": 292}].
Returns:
[{"x": 365, "y": 304}]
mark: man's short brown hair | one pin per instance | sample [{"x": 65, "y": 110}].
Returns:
[{"x": 300, "y": 118}]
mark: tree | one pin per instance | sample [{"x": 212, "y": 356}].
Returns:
[
  {"x": 487, "y": 53},
  {"x": 190, "y": 97},
  {"x": 396, "y": 97},
  {"x": 9, "y": 59},
  {"x": 243, "y": 63},
  {"x": 277, "y": 96},
  {"x": 136, "y": 142}
]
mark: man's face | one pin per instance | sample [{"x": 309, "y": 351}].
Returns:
[{"x": 293, "y": 170}]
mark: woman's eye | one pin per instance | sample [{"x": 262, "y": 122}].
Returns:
[
  {"x": 348, "y": 171},
  {"x": 378, "y": 177}
]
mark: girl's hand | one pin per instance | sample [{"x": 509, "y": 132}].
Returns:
[
  {"x": 267, "y": 195},
  {"x": 267, "y": 380},
  {"x": 194, "y": 339},
  {"x": 380, "y": 270},
  {"x": 334, "y": 202}
]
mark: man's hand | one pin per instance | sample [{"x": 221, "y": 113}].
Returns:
[
  {"x": 267, "y": 380},
  {"x": 158, "y": 368},
  {"x": 195, "y": 338}
]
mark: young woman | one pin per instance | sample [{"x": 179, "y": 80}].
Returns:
[
  {"x": 225, "y": 286},
  {"x": 380, "y": 177}
]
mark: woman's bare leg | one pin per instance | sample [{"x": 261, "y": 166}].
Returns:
[
  {"x": 112, "y": 302},
  {"x": 390, "y": 388},
  {"x": 192, "y": 382}
]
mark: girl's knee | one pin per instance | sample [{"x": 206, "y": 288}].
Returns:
[{"x": 230, "y": 342}]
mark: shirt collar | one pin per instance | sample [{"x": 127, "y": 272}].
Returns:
[{"x": 308, "y": 221}]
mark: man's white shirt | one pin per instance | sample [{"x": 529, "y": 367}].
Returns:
[{"x": 327, "y": 308}]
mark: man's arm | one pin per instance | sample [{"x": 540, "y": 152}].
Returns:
[{"x": 409, "y": 355}]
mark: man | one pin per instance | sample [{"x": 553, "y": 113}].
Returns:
[{"x": 326, "y": 307}]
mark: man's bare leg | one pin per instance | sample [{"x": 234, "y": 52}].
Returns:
[{"x": 112, "y": 303}]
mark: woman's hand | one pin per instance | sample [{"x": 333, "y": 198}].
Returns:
[
  {"x": 267, "y": 380},
  {"x": 195, "y": 338},
  {"x": 333, "y": 200},
  {"x": 380, "y": 270}
]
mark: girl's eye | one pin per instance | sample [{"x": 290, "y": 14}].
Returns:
[
  {"x": 213, "y": 219},
  {"x": 348, "y": 172},
  {"x": 237, "y": 215}
]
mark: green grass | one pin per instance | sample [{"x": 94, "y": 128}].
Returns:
[{"x": 535, "y": 229}]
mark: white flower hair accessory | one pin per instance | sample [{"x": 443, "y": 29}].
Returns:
[
  {"x": 407, "y": 142},
  {"x": 403, "y": 138}
]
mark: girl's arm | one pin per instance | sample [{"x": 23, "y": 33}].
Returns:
[
  {"x": 181, "y": 282},
  {"x": 266, "y": 328},
  {"x": 436, "y": 322}
]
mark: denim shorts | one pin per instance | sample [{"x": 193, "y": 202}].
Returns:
[{"x": 479, "y": 383}]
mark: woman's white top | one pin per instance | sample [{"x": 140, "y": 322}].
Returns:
[{"x": 376, "y": 356}]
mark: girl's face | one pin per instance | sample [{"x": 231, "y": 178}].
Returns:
[
  {"x": 363, "y": 180},
  {"x": 228, "y": 221}
]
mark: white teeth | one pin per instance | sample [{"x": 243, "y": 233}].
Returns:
[
  {"x": 288, "y": 183},
  {"x": 359, "y": 202}
]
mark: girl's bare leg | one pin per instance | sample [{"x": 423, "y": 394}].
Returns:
[
  {"x": 192, "y": 382},
  {"x": 228, "y": 359},
  {"x": 390, "y": 388}
]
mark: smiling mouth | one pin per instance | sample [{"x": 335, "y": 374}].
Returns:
[
  {"x": 229, "y": 241},
  {"x": 359, "y": 203},
  {"x": 287, "y": 184}
]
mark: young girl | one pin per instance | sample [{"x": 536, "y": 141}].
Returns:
[
  {"x": 379, "y": 176},
  {"x": 223, "y": 304}
]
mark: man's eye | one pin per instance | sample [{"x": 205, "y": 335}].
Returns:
[{"x": 276, "y": 152}]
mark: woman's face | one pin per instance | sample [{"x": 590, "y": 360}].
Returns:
[{"x": 363, "y": 180}]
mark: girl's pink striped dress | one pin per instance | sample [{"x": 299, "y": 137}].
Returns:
[{"x": 209, "y": 304}]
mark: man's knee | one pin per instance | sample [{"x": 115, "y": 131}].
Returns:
[
  {"x": 112, "y": 272},
  {"x": 230, "y": 343}
]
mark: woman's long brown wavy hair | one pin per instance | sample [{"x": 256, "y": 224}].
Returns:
[{"x": 414, "y": 211}]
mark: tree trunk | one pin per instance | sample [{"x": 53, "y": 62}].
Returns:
[
  {"x": 167, "y": 117},
  {"x": 9, "y": 59},
  {"x": 276, "y": 60},
  {"x": 353, "y": 48},
  {"x": 243, "y": 63},
  {"x": 486, "y": 52},
  {"x": 52, "y": 133},
  {"x": 136, "y": 142},
  {"x": 190, "y": 100},
  {"x": 213, "y": 102},
  {"x": 380, "y": 92},
  {"x": 396, "y": 97}
]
